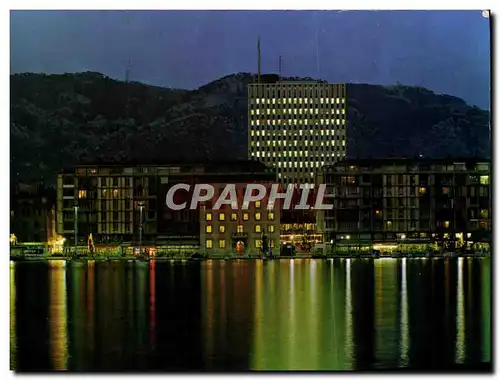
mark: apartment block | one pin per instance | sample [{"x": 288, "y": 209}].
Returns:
[
  {"x": 127, "y": 203},
  {"x": 406, "y": 199}
]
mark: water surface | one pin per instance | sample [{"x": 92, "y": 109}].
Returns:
[{"x": 347, "y": 314}]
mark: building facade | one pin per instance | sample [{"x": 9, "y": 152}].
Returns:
[
  {"x": 405, "y": 201},
  {"x": 32, "y": 213},
  {"x": 297, "y": 127},
  {"x": 240, "y": 231},
  {"x": 127, "y": 203}
]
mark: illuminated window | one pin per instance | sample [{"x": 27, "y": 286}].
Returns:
[
  {"x": 245, "y": 216},
  {"x": 234, "y": 216},
  {"x": 257, "y": 204},
  {"x": 422, "y": 190},
  {"x": 446, "y": 224},
  {"x": 257, "y": 228},
  {"x": 484, "y": 213},
  {"x": 258, "y": 243},
  {"x": 222, "y": 229},
  {"x": 82, "y": 194},
  {"x": 239, "y": 228},
  {"x": 484, "y": 180},
  {"x": 208, "y": 229},
  {"x": 208, "y": 216},
  {"x": 208, "y": 243},
  {"x": 257, "y": 216},
  {"x": 222, "y": 243},
  {"x": 446, "y": 190},
  {"x": 270, "y": 228}
]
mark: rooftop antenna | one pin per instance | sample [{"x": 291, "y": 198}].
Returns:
[
  {"x": 280, "y": 66},
  {"x": 127, "y": 72},
  {"x": 317, "y": 42},
  {"x": 127, "y": 85},
  {"x": 258, "y": 59}
]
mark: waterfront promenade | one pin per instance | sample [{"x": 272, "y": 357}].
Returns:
[{"x": 183, "y": 257}]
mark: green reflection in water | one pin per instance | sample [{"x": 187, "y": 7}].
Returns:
[
  {"x": 13, "y": 336},
  {"x": 404, "y": 317},
  {"x": 90, "y": 308},
  {"x": 386, "y": 313},
  {"x": 460, "y": 316},
  {"x": 349, "y": 345},
  {"x": 300, "y": 319},
  {"x": 486, "y": 309}
]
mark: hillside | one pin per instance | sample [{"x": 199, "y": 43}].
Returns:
[{"x": 60, "y": 120}]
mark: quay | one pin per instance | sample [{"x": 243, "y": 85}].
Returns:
[{"x": 193, "y": 258}]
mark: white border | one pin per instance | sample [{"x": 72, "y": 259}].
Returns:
[{"x": 221, "y": 4}]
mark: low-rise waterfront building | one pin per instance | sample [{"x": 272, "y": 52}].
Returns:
[
  {"x": 241, "y": 231},
  {"x": 126, "y": 204}
]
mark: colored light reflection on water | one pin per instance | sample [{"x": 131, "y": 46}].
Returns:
[{"x": 239, "y": 315}]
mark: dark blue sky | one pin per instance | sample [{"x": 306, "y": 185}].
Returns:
[{"x": 445, "y": 51}]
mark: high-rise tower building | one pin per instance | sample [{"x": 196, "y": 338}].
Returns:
[{"x": 297, "y": 127}]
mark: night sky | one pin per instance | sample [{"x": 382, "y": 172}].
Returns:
[{"x": 445, "y": 51}]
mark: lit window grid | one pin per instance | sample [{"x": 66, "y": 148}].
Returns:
[
  {"x": 287, "y": 127},
  {"x": 234, "y": 221},
  {"x": 210, "y": 230},
  {"x": 113, "y": 192}
]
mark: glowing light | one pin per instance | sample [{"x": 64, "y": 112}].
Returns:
[
  {"x": 460, "y": 317},
  {"x": 405, "y": 331},
  {"x": 56, "y": 244}
]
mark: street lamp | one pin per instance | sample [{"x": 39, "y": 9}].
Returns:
[
  {"x": 76, "y": 229},
  {"x": 141, "y": 207}
]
